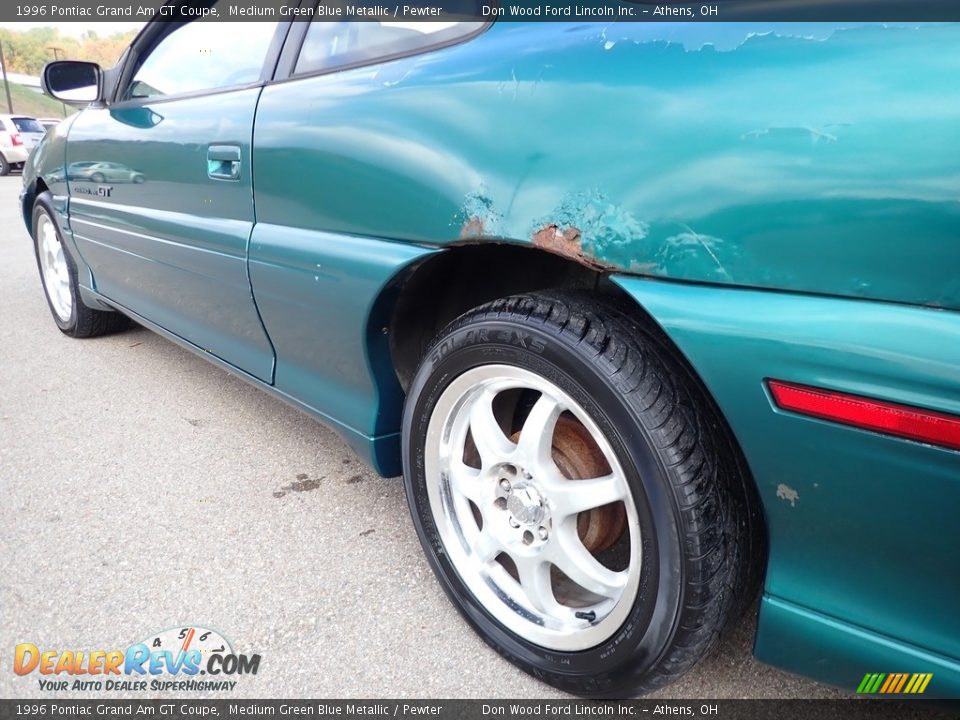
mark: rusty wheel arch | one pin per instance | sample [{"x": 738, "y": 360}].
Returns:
[{"x": 468, "y": 273}]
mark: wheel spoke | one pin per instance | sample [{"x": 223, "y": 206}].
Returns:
[
  {"x": 579, "y": 565},
  {"x": 536, "y": 435},
  {"x": 63, "y": 293},
  {"x": 536, "y": 583},
  {"x": 486, "y": 547},
  {"x": 467, "y": 481},
  {"x": 511, "y": 461},
  {"x": 569, "y": 497},
  {"x": 488, "y": 436}
]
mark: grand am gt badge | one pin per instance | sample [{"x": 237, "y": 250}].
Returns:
[{"x": 99, "y": 190}]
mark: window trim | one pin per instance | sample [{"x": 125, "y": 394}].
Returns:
[
  {"x": 152, "y": 36},
  {"x": 294, "y": 45}
]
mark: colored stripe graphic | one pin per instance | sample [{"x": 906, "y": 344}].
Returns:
[
  {"x": 875, "y": 685},
  {"x": 894, "y": 683}
]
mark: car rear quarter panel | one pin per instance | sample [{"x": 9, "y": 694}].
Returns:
[
  {"x": 806, "y": 157},
  {"x": 862, "y": 526}
]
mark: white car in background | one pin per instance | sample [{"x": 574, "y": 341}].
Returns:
[{"x": 18, "y": 135}]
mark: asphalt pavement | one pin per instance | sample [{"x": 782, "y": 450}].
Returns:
[{"x": 142, "y": 488}]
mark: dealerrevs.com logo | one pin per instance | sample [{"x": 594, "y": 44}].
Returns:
[{"x": 180, "y": 660}]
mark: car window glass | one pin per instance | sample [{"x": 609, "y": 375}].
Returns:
[
  {"x": 203, "y": 55},
  {"x": 329, "y": 45},
  {"x": 27, "y": 125}
]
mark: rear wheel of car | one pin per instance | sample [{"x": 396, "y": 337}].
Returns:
[
  {"x": 97, "y": 178},
  {"x": 59, "y": 276},
  {"x": 4, "y": 166},
  {"x": 575, "y": 495}
]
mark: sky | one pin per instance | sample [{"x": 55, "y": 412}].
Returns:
[{"x": 76, "y": 29}]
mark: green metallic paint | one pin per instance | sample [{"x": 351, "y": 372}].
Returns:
[
  {"x": 862, "y": 527},
  {"x": 802, "y": 157},
  {"x": 810, "y": 643},
  {"x": 46, "y": 162},
  {"x": 317, "y": 294},
  {"x": 174, "y": 246}
]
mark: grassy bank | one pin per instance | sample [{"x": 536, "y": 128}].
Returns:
[{"x": 29, "y": 102}]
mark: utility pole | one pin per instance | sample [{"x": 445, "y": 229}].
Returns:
[
  {"x": 6, "y": 85},
  {"x": 56, "y": 56}
]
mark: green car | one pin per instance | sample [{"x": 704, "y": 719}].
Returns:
[{"x": 650, "y": 317}]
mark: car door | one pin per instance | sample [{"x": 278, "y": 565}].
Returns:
[
  {"x": 316, "y": 280},
  {"x": 161, "y": 195}
]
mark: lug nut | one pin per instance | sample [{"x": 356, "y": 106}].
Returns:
[
  {"x": 505, "y": 484},
  {"x": 513, "y": 522},
  {"x": 542, "y": 532}
]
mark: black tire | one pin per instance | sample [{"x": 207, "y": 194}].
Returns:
[
  {"x": 4, "y": 166},
  {"x": 97, "y": 178},
  {"x": 702, "y": 550},
  {"x": 84, "y": 322}
]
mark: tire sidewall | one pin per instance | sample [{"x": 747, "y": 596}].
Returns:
[
  {"x": 650, "y": 625},
  {"x": 5, "y": 166},
  {"x": 43, "y": 206}
]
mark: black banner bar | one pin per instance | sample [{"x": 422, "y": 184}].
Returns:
[
  {"x": 606, "y": 11},
  {"x": 852, "y": 709}
]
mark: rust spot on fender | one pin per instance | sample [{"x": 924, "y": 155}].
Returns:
[
  {"x": 566, "y": 242},
  {"x": 474, "y": 227}
]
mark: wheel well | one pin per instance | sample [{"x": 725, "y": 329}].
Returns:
[
  {"x": 447, "y": 284},
  {"x": 29, "y": 198}
]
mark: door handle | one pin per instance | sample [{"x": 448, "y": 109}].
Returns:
[{"x": 223, "y": 162}]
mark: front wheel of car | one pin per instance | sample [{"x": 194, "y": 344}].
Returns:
[
  {"x": 575, "y": 495},
  {"x": 58, "y": 274}
]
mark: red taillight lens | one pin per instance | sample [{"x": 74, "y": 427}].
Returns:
[
  {"x": 16, "y": 139},
  {"x": 883, "y": 417}
]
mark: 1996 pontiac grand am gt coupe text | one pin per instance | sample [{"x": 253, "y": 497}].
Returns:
[{"x": 648, "y": 316}]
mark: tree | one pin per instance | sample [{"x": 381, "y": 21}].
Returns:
[{"x": 27, "y": 51}]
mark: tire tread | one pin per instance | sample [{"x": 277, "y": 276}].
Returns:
[{"x": 722, "y": 536}]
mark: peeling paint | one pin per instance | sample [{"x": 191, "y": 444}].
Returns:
[
  {"x": 607, "y": 44},
  {"x": 816, "y": 135},
  {"x": 477, "y": 218},
  {"x": 788, "y": 494},
  {"x": 607, "y": 233},
  {"x": 566, "y": 242},
  {"x": 691, "y": 243},
  {"x": 585, "y": 227}
]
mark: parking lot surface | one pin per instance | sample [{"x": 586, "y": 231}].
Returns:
[{"x": 142, "y": 488}]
